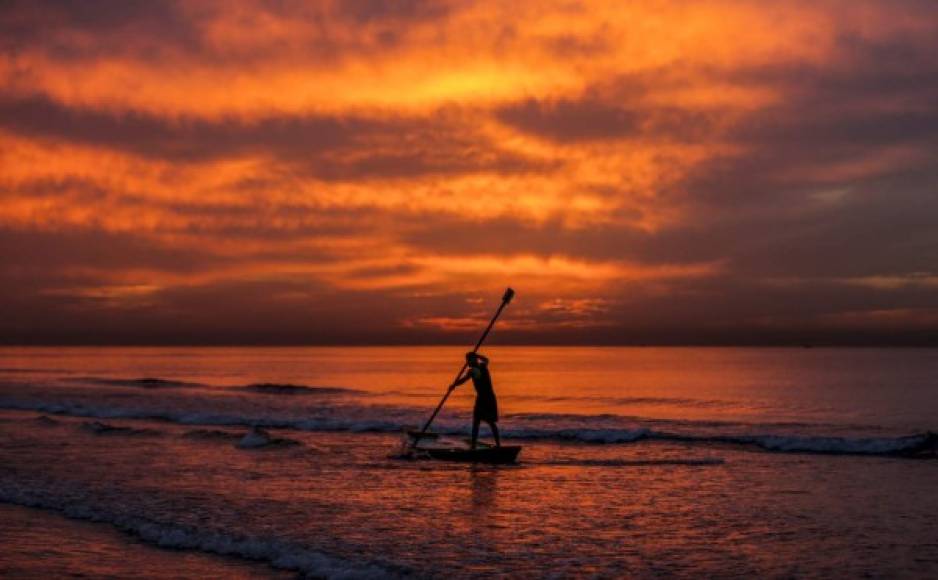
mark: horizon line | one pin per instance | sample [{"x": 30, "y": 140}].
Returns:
[{"x": 797, "y": 345}]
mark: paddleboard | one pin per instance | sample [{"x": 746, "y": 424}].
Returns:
[
  {"x": 495, "y": 455},
  {"x": 441, "y": 448}
]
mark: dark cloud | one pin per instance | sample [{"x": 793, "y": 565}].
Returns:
[
  {"x": 293, "y": 310},
  {"x": 134, "y": 26},
  {"x": 875, "y": 94},
  {"x": 591, "y": 118},
  {"x": 36, "y": 254},
  {"x": 152, "y": 31},
  {"x": 366, "y": 11},
  {"x": 832, "y": 185},
  {"x": 506, "y": 236},
  {"x": 836, "y": 180},
  {"x": 735, "y": 307},
  {"x": 187, "y": 139},
  {"x": 55, "y": 288},
  {"x": 30, "y": 18},
  {"x": 448, "y": 160},
  {"x": 325, "y": 147},
  {"x": 569, "y": 120}
]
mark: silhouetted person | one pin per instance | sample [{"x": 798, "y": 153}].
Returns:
[{"x": 486, "y": 407}]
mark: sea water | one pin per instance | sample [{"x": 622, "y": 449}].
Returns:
[{"x": 637, "y": 462}]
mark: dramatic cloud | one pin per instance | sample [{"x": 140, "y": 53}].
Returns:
[{"x": 377, "y": 172}]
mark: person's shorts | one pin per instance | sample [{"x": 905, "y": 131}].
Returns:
[{"x": 485, "y": 411}]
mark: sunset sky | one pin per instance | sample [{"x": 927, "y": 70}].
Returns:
[{"x": 361, "y": 171}]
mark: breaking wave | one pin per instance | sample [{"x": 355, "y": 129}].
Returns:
[
  {"x": 924, "y": 445},
  {"x": 258, "y": 438},
  {"x": 142, "y": 383},
  {"x": 99, "y": 428},
  {"x": 212, "y": 435},
  {"x": 541, "y": 426},
  {"x": 46, "y": 421},
  {"x": 277, "y": 553},
  {"x": 288, "y": 389},
  {"x": 258, "y": 388},
  {"x": 671, "y": 401}
]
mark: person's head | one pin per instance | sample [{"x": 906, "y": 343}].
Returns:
[{"x": 472, "y": 359}]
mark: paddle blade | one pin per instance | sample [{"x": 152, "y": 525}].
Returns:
[{"x": 509, "y": 294}]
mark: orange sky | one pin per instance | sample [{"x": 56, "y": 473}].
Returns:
[{"x": 362, "y": 171}]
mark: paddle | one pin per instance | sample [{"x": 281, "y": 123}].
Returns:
[{"x": 509, "y": 294}]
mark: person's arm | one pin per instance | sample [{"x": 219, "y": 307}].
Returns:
[
  {"x": 483, "y": 358},
  {"x": 462, "y": 379}
]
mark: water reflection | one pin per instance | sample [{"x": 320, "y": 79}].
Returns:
[{"x": 484, "y": 484}]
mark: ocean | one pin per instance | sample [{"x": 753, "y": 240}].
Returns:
[{"x": 636, "y": 462}]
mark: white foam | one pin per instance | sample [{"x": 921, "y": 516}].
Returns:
[
  {"x": 257, "y": 438},
  {"x": 278, "y": 554},
  {"x": 253, "y": 439}
]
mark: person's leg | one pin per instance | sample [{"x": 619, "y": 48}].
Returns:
[
  {"x": 475, "y": 430},
  {"x": 494, "y": 428}
]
